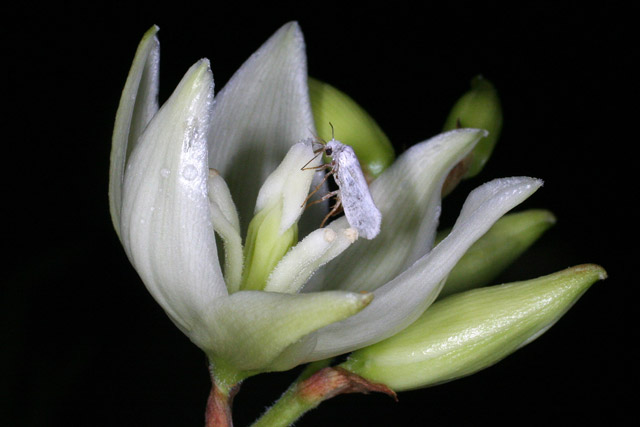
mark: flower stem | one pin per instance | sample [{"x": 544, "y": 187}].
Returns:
[
  {"x": 225, "y": 383},
  {"x": 311, "y": 390},
  {"x": 218, "y": 412}
]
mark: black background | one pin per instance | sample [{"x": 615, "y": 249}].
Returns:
[{"x": 83, "y": 344}]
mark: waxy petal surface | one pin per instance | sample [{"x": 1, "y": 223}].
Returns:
[
  {"x": 260, "y": 113},
  {"x": 166, "y": 225}
]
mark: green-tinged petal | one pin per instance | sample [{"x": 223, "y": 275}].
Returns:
[
  {"x": 261, "y": 112},
  {"x": 138, "y": 104},
  {"x": 315, "y": 250},
  {"x": 166, "y": 225},
  {"x": 478, "y": 108},
  {"x": 353, "y": 126},
  {"x": 496, "y": 250},
  {"x": 470, "y": 331},
  {"x": 265, "y": 246},
  {"x": 274, "y": 229},
  {"x": 408, "y": 196},
  {"x": 289, "y": 184},
  {"x": 402, "y": 300},
  {"x": 226, "y": 223},
  {"x": 250, "y": 330}
]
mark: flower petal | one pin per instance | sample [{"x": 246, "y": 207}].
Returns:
[
  {"x": 289, "y": 183},
  {"x": 166, "y": 224},
  {"x": 315, "y": 250},
  {"x": 413, "y": 183},
  {"x": 261, "y": 112},
  {"x": 138, "y": 104},
  {"x": 226, "y": 223},
  {"x": 251, "y": 329},
  {"x": 399, "y": 302}
]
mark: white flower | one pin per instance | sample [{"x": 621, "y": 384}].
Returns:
[{"x": 175, "y": 171}]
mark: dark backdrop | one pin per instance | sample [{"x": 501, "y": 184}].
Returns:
[{"x": 83, "y": 344}]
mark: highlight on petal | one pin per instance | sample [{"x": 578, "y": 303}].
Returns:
[
  {"x": 166, "y": 224},
  {"x": 470, "y": 331},
  {"x": 402, "y": 300},
  {"x": 408, "y": 196},
  {"x": 302, "y": 261},
  {"x": 497, "y": 249},
  {"x": 252, "y": 329},
  {"x": 227, "y": 225},
  {"x": 260, "y": 113},
  {"x": 138, "y": 104}
]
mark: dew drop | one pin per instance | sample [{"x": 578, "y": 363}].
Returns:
[
  {"x": 189, "y": 172},
  {"x": 164, "y": 172}
]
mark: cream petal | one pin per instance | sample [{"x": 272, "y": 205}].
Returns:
[
  {"x": 289, "y": 184},
  {"x": 166, "y": 225},
  {"x": 302, "y": 261},
  {"x": 138, "y": 104}
]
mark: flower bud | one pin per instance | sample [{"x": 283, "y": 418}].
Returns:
[
  {"x": 478, "y": 108},
  {"x": 352, "y": 125},
  {"x": 470, "y": 331}
]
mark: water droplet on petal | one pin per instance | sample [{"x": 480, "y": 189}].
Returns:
[{"x": 164, "y": 172}]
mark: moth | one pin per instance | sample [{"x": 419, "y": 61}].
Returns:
[{"x": 353, "y": 194}]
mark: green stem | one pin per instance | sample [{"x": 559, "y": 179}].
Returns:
[
  {"x": 315, "y": 385},
  {"x": 225, "y": 383},
  {"x": 290, "y": 406}
]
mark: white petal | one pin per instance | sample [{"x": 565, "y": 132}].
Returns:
[
  {"x": 225, "y": 222},
  {"x": 166, "y": 223},
  {"x": 408, "y": 196},
  {"x": 399, "y": 302},
  {"x": 259, "y": 115},
  {"x": 138, "y": 104},
  {"x": 289, "y": 184},
  {"x": 315, "y": 250}
]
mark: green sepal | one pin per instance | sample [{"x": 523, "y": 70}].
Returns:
[
  {"x": 509, "y": 237},
  {"x": 352, "y": 126},
  {"x": 470, "y": 331},
  {"x": 478, "y": 108}
]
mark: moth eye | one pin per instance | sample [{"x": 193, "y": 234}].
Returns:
[{"x": 328, "y": 151}]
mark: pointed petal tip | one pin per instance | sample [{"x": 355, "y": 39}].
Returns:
[{"x": 591, "y": 268}]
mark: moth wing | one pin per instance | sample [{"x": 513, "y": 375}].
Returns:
[{"x": 359, "y": 208}]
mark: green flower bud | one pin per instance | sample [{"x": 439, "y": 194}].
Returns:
[
  {"x": 479, "y": 108},
  {"x": 265, "y": 246},
  {"x": 467, "y": 332},
  {"x": 509, "y": 237},
  {"x": 353, "y": 126}
]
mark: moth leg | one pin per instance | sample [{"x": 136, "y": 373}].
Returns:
[
  {"x": 323, "y": 198},
  {"x": 322, "y": 166},
  {"x": 315, "y": 190},
  {"x": 336, "y": 208}
]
